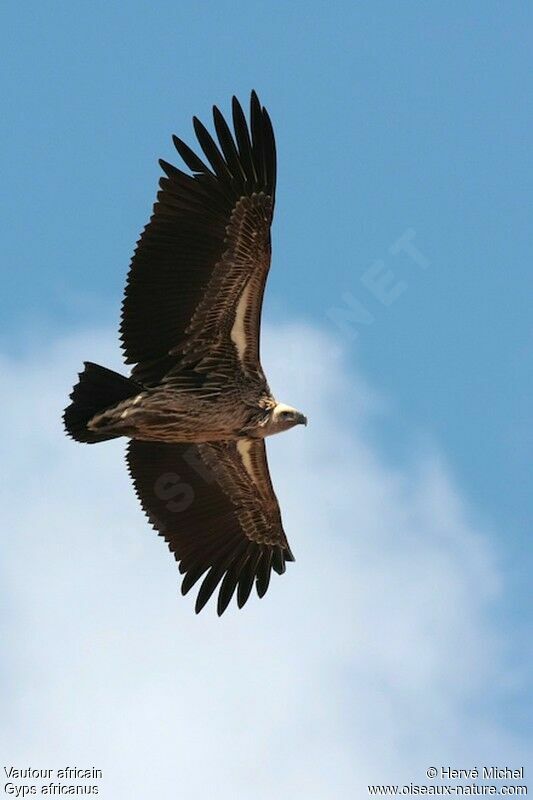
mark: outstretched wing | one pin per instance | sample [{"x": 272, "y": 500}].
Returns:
[
  {"x": 198, "y": 273},
  {"x": 215, "y": 506}
]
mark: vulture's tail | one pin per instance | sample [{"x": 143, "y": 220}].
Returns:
[{"x": 97, "y": 389}]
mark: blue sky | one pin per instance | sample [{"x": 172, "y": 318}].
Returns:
[{"x": 389, "y": 117}]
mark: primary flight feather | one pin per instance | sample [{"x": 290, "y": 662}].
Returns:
[{"x": 197, "y": 406}]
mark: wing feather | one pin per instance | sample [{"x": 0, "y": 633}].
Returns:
[
  {"x": 229, "y": 149},
  {"x": 244, "y": 143},
  {"x": 212, "y": 153},
  {"x": 189, "y": 156}
]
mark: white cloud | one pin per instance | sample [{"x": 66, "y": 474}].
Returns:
[{"x": 370, "y": 660}]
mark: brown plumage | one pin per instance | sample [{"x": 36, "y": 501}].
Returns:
[{"x": 197, "y": 406}]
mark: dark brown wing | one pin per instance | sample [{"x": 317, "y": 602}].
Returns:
[
  {"x": 215, "y": 506},
  {"x": 206, "y": 246}
]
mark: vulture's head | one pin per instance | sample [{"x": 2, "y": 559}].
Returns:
[{"x": 283, "y": 417}]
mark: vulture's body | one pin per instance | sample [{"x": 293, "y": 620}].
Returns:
[{"x": 197, "y": 406}]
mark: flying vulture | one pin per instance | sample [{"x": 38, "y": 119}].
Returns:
[{"x": 197, "y": 406}]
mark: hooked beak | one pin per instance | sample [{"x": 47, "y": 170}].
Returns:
[{"x": 301, "y": 419}]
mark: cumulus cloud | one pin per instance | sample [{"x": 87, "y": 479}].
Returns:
[{"x": 368, "y": 661}]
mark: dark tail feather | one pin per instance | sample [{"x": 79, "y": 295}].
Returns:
[{"x": 97, "y": 389}]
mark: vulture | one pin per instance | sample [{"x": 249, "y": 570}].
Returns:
[{"x": 197, "y": 407}]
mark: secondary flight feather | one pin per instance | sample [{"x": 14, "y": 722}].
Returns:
[{"x": 197, "y": 406}]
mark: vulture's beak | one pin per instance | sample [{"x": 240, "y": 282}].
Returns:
[{"x": 301, "y": 419}]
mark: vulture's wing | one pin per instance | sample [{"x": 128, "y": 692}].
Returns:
[
  {"x": 198, "y": 273},
  {"x": 215, "y": 506}
]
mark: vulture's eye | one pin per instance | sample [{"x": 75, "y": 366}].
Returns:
[{"x": 286, "y": 414}]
